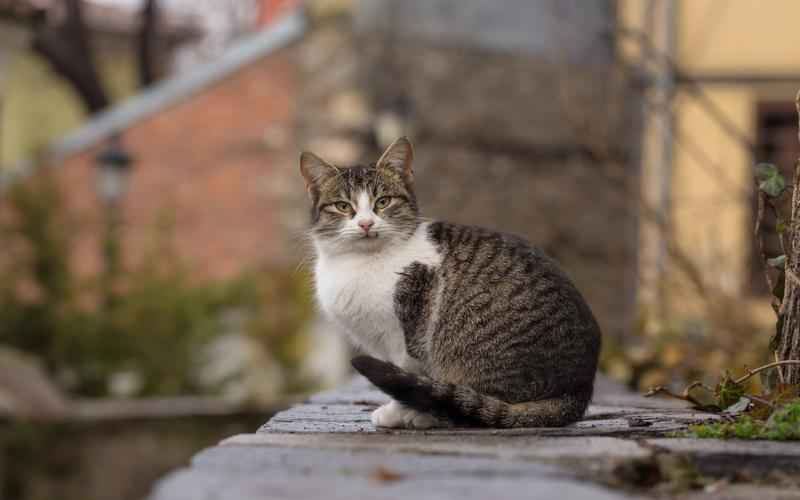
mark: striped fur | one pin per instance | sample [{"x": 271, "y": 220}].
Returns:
[
  {"x": 462, "y": 405},
  {"x": 462, "y": 324}
]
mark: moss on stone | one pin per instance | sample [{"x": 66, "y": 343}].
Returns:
[{"x": 782, "y": 425}]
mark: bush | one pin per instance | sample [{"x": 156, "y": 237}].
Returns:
[{"x": 153, "y": 325}]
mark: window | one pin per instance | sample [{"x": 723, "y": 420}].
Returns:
[{"x": 777, "y": 143}]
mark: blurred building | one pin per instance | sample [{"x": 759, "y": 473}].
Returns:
[
  {"x": 206, "y": 147},
  {"x": 493, "y": 94},
  {"x": 36, "y": 106},
  {"x": 723, "y": 76},
  {"x": 507, "y": 131},
  {"x": 619, "y": 136}
]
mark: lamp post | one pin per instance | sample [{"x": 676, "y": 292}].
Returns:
[{"x": 113, "y": 170}]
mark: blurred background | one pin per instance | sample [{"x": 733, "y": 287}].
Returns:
[{"x": 154, "y": 285}]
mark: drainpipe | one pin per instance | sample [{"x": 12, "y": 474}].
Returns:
[
  {"x": 659, "y": 23},
  {"x": 665, "y": 84}
]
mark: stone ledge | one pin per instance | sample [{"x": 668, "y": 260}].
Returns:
[
  {"x": 327, "y": 448},
  {"x": 612, "y": 413}
]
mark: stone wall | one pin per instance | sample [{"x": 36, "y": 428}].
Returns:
[
  {"x": 503, "y": 139},
  {"x": 572, "y": 30},
  {"x": 116, "y": 458}
]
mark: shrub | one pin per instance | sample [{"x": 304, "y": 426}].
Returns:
[{"x": 152, "y": 326}]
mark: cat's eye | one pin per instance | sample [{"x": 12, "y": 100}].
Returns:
[
  {"x": 342, "y": 206},
  {"x": 383, "y": 202}
]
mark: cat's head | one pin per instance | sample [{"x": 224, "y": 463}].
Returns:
[{"x": 362, "y": 208}]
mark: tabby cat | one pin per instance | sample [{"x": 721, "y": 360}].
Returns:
[{"x": 462, "y": 325}]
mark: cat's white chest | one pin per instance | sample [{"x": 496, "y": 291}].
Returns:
[{"x": 357, "y": 291}]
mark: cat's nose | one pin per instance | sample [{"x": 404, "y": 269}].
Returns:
[{"x": 366, "y": 224}]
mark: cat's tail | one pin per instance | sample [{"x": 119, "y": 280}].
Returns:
[{"x": 465, "y": 406}]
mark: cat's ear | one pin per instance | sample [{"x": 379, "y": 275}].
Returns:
[
  {"x": 399, "y": 156},
  {"x": 314, "y": 168}
]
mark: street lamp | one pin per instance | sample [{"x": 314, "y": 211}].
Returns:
[
  {"x": 113, "y": 171},
  {"x": 113, "y": 165}
]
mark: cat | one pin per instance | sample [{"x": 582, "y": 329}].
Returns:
[{"x": 460, "y": 325}]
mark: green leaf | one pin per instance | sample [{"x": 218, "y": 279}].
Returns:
[
  {"x": 778, "y": 262},
  {"x": 727, "y": 391},
  {"x": 780, "y": 227},
  {"x": 770, "y": 179}
]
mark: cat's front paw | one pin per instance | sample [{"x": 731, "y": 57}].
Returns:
[{"x": 395, "y": 415}]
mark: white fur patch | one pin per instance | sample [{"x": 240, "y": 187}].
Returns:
[
  {"x": 396, "y": 415},
  {"x": 356, "y": 289},
  {"x": 364, "y": 209}
]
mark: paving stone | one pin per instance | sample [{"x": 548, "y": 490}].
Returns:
[
  {"x": 322, "y": 418},
  {"x": 505, "y": 447},
  {"x": 348, "y": 410}
]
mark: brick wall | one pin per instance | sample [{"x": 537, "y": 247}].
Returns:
[{"x": 216, "y": 165}]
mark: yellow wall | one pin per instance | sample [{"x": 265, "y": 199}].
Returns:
[
  {"x": 735, "y": 36},
  {"x": 711, "y": 172},
  {"x": 39, "y": 107},
  {"x": 711, "y": 186}
]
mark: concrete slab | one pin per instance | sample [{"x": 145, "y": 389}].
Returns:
[
  {"x": 348, "y": 411},
  {"x": 506, "y": 448},
  {"x": 254, "y": 472},
  {"x": 718, "y": 458},
  {"x": 328, "y": 448}
]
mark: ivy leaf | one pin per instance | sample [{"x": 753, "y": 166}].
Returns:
[
  {"x": 727, "y": 391},
  {"x": 770, "y": 179},
  {"x": 778, "y": 262}
]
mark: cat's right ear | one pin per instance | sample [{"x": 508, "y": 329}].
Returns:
[
  {"x": 399, "y": 156},
  {"x": 314, "y": 168}
]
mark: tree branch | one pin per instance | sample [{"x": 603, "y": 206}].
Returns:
[
  {"x": 755, "y": 371},
  {"x": 760, "y": 239},
  {"x": 788, "y": 336},
  {"x": 148, "y": 41},
  {"x": 67, "y": 50},
  {"x": 65, "y": 63}
]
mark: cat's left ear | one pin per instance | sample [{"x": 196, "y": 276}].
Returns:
[
  {"x": 314, "y": 169},
  {"x": 399, "y": 156}
]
